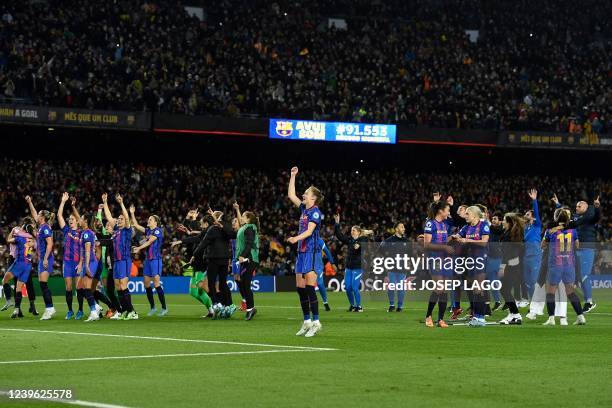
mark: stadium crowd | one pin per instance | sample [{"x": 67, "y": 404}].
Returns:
[
  {"x": 537, "y": 65},
  {"x": 373, "y": 199}
]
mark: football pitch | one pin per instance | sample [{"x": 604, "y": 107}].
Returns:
[{"x": 373, "y": 358}]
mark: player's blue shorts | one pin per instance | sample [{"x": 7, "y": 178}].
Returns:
[
  {"x": 440, "y": 270},
  {"x": 153, "y": 267},
  {"x": 309, "y": 262},
  {"x": 122, "y": 269},
  {"x": 93, "y": 269},
  {"x": 49, "y": 268},
  {"x": 21, "y": 270},
  {"x": 70, "y": 269},
  {"x": 558, "y": 273},
  {"x": 475, "y": 269}
]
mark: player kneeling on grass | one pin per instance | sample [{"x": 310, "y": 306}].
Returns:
[
  {"x": 153, "y": 260},
  {"x": 21, "y": 268},
  {"x": 309, "y": 253},
  {"x": 562, "y": 242}
]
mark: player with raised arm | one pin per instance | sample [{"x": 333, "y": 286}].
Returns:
[
  {"x": 122, "y": 238},
  {"x": 44, "y": 247},
  {"x": 72, "y": 253},
  {"x": 309, "y": 253},
  {"x": 105, "y": 262},
  {"x": 154, "y": 236},
  {"x": 533, "y": 250},
  {"x": 584, "y": 222},
  {"x": 20, "y": 269},
  {"x": 95, "y": 225},
  {"x": 435, "y": 240},
  {"x": 562, "y": 242}
]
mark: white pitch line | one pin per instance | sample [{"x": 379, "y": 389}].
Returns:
[
  {"x": 124, "y": 336},
  {"x": 220, "y": 353},
  {"x": 71, "y": 402},
  {"x": 196, "y": 305}
]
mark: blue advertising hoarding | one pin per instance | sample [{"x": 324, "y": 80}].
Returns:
[
  {"x": 289, "y": 129},
  {"x": 180, "y": 284}
]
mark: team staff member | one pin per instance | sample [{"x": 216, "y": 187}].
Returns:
[
  {"x": 215, "y": 248},
  {"x": 584, "y": 221},
  {"x": 352, "y": 266},
  {"x": 198, "y": 285},
  {"x": 393, "y": 244}
]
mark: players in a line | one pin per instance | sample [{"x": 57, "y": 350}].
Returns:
[
  {"x": 95, "y": 225},
  {"x": 154, "y": 239},
  {"x": 72, "y": 254},
  {"x": 309, "y": 253},
  {"x": 352, "y": 269},
  {"x": 562, "y": 242},
  {"x": 44, "y": 247},
  {"x": 22, "y": 241},
  {"x": 122, "y": 261},
  {"x": 435, "y": 240}
]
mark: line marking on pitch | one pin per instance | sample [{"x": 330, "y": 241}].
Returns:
[
  {"x": 194, "y": 305},
  {"x": 220, "y": 353},
  {"x": 125, "y": 336},
  {"x": 70, "y": 401}
]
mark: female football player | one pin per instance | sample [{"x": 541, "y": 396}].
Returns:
[
  {"x": 122, "y": 261},
  {"x": 44, "y": 246},
  {"x": 309, "y": 253},
  {"x": 72, "y": 252},
  {"x": 153, "y": 259}
]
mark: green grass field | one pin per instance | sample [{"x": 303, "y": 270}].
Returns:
[{"x": 378, "y": 359}]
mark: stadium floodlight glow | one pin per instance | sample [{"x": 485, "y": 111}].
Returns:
[{"x": 289, "y": 129}]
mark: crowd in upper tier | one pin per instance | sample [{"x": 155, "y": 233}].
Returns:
[{"x": 535, "y": 64}]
